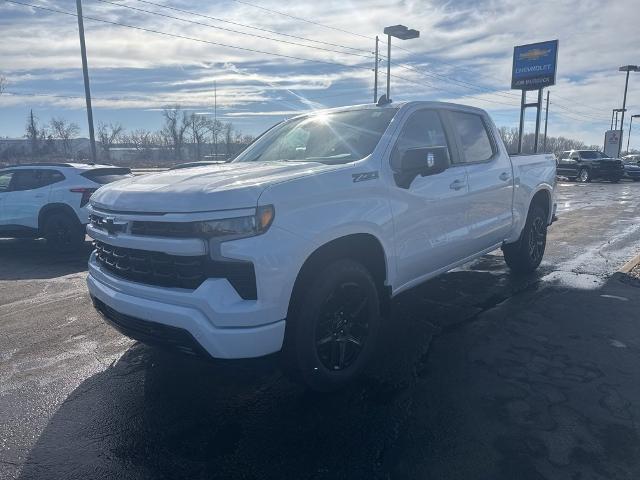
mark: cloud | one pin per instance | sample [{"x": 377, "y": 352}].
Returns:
[{"x": 465, "y": 49}]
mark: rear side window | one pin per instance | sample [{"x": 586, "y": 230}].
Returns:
[
  {"x": 5, "y": 180},
  {"x": 107, "y": 175},
  {"x": 423, "y": 129},
  {"x": 474, "y": 138}
]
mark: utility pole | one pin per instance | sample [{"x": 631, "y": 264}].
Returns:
[
  {"x": 85, "y": 74},
  {"x": 215, "y": 120},
  {"x": 375, "y": 75},
  {"x": 388, "y": 68},
  {"x": 628, "y": 69},
  {"x": 538, "y": 110},
  {"x": 546, "y": 121}
]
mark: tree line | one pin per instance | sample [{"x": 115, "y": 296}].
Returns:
[
  {"x": 555, "y": 145},
  {"x": 183, "y": 137}
]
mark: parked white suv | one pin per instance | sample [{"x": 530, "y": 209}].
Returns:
[
  {"x": 299, "y": 244},
  {"x": 50, "y": 200}
]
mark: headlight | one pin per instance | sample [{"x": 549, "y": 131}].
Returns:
[{"x": 238, "y": 227}]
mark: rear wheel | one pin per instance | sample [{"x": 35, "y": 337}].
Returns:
[
  {"x": 334, "y": 327},
  {"x": 525, "y": 255},
  {"x": 63, "y": 233},
  {"x": 584, "y": 175}
]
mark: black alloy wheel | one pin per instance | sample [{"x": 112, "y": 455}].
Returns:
[{"x": 343, "y": 326}]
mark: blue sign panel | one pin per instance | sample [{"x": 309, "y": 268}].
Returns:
[{"x": 534, "y": 65}]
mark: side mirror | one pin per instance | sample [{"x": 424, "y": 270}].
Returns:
[{"x": 421, "y": 161}]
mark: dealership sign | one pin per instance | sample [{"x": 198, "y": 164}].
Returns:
[
  {"x": 534, "y": 65},
  {"x": 612, "y": 143}
]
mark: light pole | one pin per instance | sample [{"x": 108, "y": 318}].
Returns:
[
  {"x": 629, "y": 136},
  {"x": 625, "y": 68},
  {"x": 85, "y": 74},
  {"x": 403, "y": 33}
]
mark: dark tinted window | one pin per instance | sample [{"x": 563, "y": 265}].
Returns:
[
  {"x": 107, "y": 175},
  {"x": 32, "y": 179},
  {"x": 591, "y": 154},
  {"x": 564, "y": 155},
  {"x": 5, "y": 180},
  {"x": 423, "y": 129},
  {"x": 474, "y": 138}
]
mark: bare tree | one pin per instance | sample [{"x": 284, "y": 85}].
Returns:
[
  {"x": 176, "y": 123},
  {"x": 3, "y": 84},
  {"x": 227, "y": 130},
  {"x": 108, "y": 135},
  {"x": 198, "y": 125},
  {"x": 34, "y": 134},
  {"x": 64, "y": 131},
  {"x": 215, "y": 128}
]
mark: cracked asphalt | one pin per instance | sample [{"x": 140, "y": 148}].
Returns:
[{"x": 481, "y": 375}]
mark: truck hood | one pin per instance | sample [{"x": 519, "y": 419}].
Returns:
[{"x": 200, "y": 189}]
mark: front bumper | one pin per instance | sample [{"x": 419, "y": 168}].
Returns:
[{"x": 191, "y": 321}]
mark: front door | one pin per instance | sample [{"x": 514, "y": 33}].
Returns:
[
  {"x": 28, "y": 193},
  {"x": 430, "y": 215},
  {"x": 490, "y": 180}
]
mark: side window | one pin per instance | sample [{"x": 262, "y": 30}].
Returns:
[
  {"x": 26, "y": 180},
  {"x": 5, "y": 181},
  {"x": 564, "y": 155},
  {"x": 49, "y": 177},
  {"x": 422, "y": 129},
  {"x": 474, "y": 138}
]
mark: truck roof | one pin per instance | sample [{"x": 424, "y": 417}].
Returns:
[{"x": 373, "y": 106}]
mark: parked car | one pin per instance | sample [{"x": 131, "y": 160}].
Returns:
[
  {"x": 633, "y": 158},
  {"x": 587, "y": 165},
  {"x": 631, "y": 170},
  {"x": 50, "y": 200},
  {"x": 300, "y": 243}
]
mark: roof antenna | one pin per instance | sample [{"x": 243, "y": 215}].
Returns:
[{"x": 383, "y": 100}]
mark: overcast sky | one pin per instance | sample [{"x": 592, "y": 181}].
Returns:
[{"x": 463, "y": 55}]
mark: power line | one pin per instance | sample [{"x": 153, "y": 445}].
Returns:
[
  {"x": 270, "y": 10},
  {"x": 322, "y": 42},
  {"x": 185, "y": 37},
  {"x": 254, "y": 35}
]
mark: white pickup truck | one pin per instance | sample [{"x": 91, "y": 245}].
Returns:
[{"x": 299, "y": 244}]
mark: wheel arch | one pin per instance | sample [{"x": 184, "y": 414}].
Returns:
[
  {"x": 364, "y": 248},
  {"x": 52, "y": 208}
]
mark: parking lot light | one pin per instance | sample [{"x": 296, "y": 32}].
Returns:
[{"x": 403, "y": 33}]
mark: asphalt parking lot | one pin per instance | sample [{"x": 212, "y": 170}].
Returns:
[{"x": 482, "y": 375}]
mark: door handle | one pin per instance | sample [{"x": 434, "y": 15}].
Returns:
[
  {"x": 504, "y": 176},
  {"x": 457, "y": 185}
]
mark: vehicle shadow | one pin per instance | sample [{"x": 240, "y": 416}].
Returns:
[
  {"x": 156, "y": 415},
  {"x": 27, "y": 259}
]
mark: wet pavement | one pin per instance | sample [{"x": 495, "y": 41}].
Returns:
[{"x": 482, "y": 375}]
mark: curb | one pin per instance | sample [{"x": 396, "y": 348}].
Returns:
[{"x": 631, "y": 264}]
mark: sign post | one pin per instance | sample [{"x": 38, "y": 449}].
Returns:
[
  {"x": 612, "y": 143},
  {"x": 534, "y": 67}
]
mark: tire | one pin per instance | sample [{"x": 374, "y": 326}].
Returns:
[
  {"x": 584, "y": 175},
  {"x": 333, "y": 327},
  {"x": 63, "y": 233},
  {"x": 525, "y": 255}
]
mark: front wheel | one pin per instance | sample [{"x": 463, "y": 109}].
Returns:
[
  {"x": 584, "y": 175},
  {"x": 525, "y": 255},
  {"x": 334, "y": 327},
  {"x": 63, "y": 233}
]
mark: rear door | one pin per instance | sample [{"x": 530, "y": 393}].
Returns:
[
  {"x": 430, "y": 215},
  {"x": 5, "y": 181},
  {"x": 568, "y": 164},
  {"x": 490, "y": 178},
  {"x": 28, "y": 193}
]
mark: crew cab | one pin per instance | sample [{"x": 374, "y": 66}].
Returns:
[
  {"x": 50, "y": 200},
  {"x": 298, "y": 245},
  {"x": 587, "y": 165}
]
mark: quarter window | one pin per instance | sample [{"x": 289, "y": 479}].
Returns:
[
  {"x": 474, "y": 138},
  {"x": 423, "y": 129}
]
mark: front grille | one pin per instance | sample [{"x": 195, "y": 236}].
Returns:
[
  {"x": 161, "y": 269},
  {"x": 151, "y": 332}
]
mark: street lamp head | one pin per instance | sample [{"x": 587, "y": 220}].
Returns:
[
  {"x": 628, "y": 68},
  {"x": 401, "y": 32}
]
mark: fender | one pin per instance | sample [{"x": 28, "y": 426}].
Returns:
[{"x": 51, "y": 207}]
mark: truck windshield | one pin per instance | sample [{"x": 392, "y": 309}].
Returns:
[{"x": 339, "y": 137}]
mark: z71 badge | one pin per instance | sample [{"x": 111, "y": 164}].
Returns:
[{"x": 363, "y": 177}]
